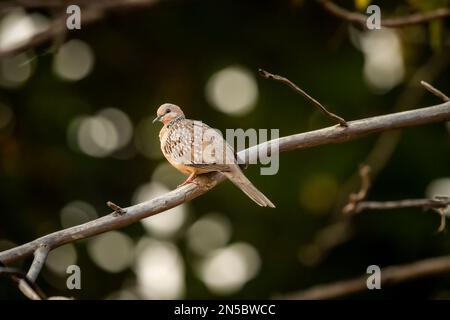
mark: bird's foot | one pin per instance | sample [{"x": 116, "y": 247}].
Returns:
[{"x": 190, "y": 179}]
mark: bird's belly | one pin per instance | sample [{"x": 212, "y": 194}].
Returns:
[
  {"x": 179, "y": 166},
  {"x": 185, "y": 169}
]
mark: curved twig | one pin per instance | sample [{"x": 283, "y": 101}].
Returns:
[{"x": 317, "y": 104}]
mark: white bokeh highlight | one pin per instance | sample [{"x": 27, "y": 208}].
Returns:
[
  {"x": 60, "y": 258},
  {"x": 225, "y": 271},
  {"x": 160, "y": 270},
  {"x": 232, "y": 90},
  {"x": 73, "y": 61},
  {"x": 211, "y": 232},
  {"x": 167, "y": 223},
  {"x": 112, "y": 251},
  {"x": 77, "y": 212},
  {"x": 102, "y": 134},
  {"x": 383, "y": 58}
]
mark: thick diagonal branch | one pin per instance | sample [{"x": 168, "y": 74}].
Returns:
[{"x": 335, "y": 134}]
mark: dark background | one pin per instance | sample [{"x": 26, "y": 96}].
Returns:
[{"x": 168, "y": 53}]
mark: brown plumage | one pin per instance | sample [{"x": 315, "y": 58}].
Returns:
[{"x": 195, "y": 148}]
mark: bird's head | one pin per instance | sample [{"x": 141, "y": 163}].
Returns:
[{"x": 167, "y": 112}]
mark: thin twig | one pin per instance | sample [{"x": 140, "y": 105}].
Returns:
[
  {"x": 356, "y": 198},
  {"x": 401, "y": 204},
  {"x": 330, "y": 135},
  {"x": 316, "y": 103},
  {"x": 441, "y": 212},
  {"x": 434, "y": 91},
  {"x": 356, "y": 204},
  {"x": 397, "y": 22},
  {"x": 118, "y": 210},
  {"x": 389, "y": 276}
]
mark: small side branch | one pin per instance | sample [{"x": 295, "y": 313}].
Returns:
[
  {"x": 356, "y": 203},
  {"x": 434, "y": 91},
  {"x": 356, "y": 198},
  {"x": 117, "y": 210},
  {"x": 397, "y": 22},
  {"x": 40, "y": 256},
  {"x": 317, "y": 104}
]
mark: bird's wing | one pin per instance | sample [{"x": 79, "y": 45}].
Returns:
[{"x": 195, "y": 144}]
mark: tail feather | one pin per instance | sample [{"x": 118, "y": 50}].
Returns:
[{"x": 240, "y": 180}]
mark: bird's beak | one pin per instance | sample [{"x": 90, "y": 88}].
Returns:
[{"x": 158, "y": 118}]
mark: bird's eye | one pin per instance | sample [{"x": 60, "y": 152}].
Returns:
[{"x": 167, "y": 110}]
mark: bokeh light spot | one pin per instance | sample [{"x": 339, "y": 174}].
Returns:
[
  {"x": 121, "y": 122},
  {"x": 160, "y": 270},
  {"x": 383, "y": 59},
  {"x": 15, "y": 70},
  {"x": 167, "y": 175},
  {"x": 165, "y": 224},
  {"x": 111, "y": 251},
  {"x": 225, "y": 271},
  {"x": 318, "y": 193},
  {"x": 60, "y": 258},
  {"x": 102, "y": 134},
  {"x": 74, "y": 60},
  {"x": 211, "y": 232},
  {"x": 77, "y": 212},
  {"x": 16, "y": 28},
  {"x": 232, "y": 90}
]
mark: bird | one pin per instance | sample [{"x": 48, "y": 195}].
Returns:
[{"x": 195, "y": 148}]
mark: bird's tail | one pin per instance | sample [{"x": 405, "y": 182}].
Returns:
[{"x": 240, "y": 180}]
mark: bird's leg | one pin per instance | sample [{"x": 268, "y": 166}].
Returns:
[{"x": 190, "y": 179}]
